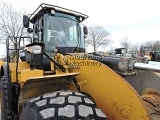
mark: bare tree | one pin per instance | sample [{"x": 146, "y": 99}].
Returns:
[
  {"x": 125, "y": 43},
  {"x": 156, "y": 46},
  {"x": 148, "y": 44},
  {"x": 134, "y": 48},
  {"x": 11, "y": 23},
  {"x": 153, "y": 45},
  {"x": 97, "y": 36},
  {"x": 10, "y": 20}
]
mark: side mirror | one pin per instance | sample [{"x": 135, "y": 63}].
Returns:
[
  {"x": 85, "y": 30},
  {"x": 25, "y": 21}
]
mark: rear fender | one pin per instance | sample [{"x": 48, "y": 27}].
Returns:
[{"x": 112, "y": 93}]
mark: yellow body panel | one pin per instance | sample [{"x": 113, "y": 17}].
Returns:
[
  {"x": 27, "y": 73},
  {"x": 24, "y": 72},
  {"x": 21, "y": 65},
  {"x": 117, "y": 99},
  {"x": 52, "y": 66},
  {"x": 1, "y": 62}
]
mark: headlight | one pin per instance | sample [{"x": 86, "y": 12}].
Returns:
[{"x": 36, "y": 49}]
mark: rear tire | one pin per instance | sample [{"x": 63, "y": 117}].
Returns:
[
  {"x": 5, "y": 99},
  {"x": 61, "y": 105}
]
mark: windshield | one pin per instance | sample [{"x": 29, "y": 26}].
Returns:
[{"x": 62, "y": 31}]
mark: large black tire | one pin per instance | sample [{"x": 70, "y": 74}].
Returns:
[
  {"x": 61, "y": 105},
  {"x": 5, "y": 99}
]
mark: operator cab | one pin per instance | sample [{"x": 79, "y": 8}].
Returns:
[{"x": 60, "y": 30}]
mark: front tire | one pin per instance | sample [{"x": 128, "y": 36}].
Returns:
[
  {"x": 5, "y": 99},
  {"x": 61, "y": 105}
]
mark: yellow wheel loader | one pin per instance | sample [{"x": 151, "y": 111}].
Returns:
[{"x": 53, "y": 78}]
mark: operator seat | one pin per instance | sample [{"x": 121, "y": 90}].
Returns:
[{"x": 54, "y": 40}]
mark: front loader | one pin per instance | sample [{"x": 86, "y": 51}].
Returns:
[{"x": 53, "y": 78}]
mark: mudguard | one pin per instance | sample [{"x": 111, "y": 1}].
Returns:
[{"x": 112, "y": 93}]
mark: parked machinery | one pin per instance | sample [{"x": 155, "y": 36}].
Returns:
[{"x": 56, "y": 79}]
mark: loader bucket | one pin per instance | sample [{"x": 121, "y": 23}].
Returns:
[
  {"x": 112, "y": 93},
  {"x": 145, "y": 80}
]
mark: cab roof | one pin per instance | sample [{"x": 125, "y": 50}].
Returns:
[{"x": 43, "y": 8}]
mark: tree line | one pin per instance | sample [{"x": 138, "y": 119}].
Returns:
[
  {"x": 11, "y": 25},
  {"x": 152, "y": 45},
  {"x": 98, "y": 36}
]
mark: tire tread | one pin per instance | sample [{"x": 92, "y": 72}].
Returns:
[{"x": 63, "y": 105}]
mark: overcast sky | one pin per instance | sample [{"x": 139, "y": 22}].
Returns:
[{"x": 139, "y": 20}]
